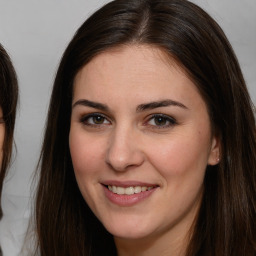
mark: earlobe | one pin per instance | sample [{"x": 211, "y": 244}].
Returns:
[{"x": 214, "y": 155}]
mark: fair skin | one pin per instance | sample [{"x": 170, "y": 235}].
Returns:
[
  {"x": 138, "y": 121},
  {"x": 2, "y": 132}
]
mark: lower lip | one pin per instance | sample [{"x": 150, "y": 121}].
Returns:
[{"x": 128, "y": 200}]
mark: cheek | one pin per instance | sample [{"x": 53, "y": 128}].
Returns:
[
  {"x": 86, "y": 154},
  {"x": 182, "y": 155},
  {"x": 87, "y": 158}
]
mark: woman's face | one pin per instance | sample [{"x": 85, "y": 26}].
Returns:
[
  {"x": 2, "y": 132},
  {"x": 140, "y": 141}
]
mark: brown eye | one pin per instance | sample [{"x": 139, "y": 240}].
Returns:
[
  {"x": 98, "y": 119},
  {"x": 161, "y": 121},
  {"x": 95, "y": 119}
]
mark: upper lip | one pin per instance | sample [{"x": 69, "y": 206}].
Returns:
[{"x": 127, "y": 183}]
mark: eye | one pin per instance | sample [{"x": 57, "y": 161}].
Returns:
[
  {"x": 161, "y": 121},
  {"x": 94, "y": 119}
]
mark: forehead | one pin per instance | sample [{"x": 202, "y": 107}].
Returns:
[
  {"x": 140, "y": 54},
  {"x": 128, "y": 62},
  {"x": 135, "y": 71}
]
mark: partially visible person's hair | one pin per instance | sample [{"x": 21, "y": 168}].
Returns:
[
  {"x": 8, "y": 103},
  {"x": 225, "y": 225}
]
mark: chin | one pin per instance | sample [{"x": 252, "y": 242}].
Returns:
[{"x": 129, "y": 232}]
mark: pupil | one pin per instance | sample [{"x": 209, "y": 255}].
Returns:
[
  {"x": 160, "y": 121},
  {"x": 98, "y": 119}
]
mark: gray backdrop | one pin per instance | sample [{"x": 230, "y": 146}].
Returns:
[{"x": 35, "y": 33}]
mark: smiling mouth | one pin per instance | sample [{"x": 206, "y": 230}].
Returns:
[{"x": 128, "y": 190}]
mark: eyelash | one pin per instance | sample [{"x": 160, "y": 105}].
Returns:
[{"x": 167, "y": 119}]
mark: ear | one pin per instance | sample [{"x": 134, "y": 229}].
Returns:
[{"x": 215, "y": 152}]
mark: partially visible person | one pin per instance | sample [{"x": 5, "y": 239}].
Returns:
[{"x": 8, "y": 103}]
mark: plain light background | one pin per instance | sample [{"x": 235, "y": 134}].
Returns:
[{"x": 35, "y": 34}]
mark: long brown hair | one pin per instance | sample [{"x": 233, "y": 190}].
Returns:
[
  {"x": 226, "y": 224},
  {"x": 8, "y": 102}
]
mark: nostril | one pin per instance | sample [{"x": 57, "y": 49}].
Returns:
[
  {"x": 124, "y": 151},
  {"x": 123, "y": 161}
]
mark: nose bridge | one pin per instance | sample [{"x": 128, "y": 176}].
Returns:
[{"x": 123, "y": 149}]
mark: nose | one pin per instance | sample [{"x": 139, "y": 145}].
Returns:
[{"x": 124, "y": 150}]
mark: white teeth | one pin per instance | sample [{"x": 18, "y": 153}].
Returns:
[
  {"x": 137, "y": 189},
  {"x": 128, "y": 190},
  {"x": 120, "y": 190}
]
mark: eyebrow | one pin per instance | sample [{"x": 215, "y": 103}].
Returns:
[
  {"x": 140, "y": 108},
  {"x": 91, "y": 104},
  {"x": 159, "y": 104}
]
